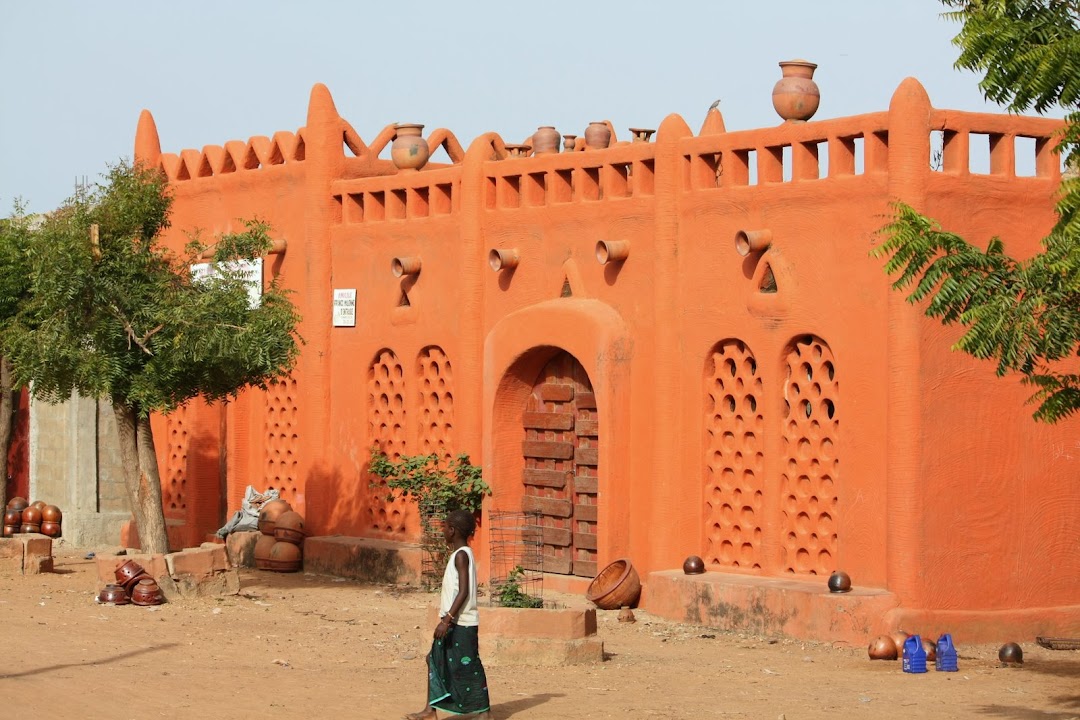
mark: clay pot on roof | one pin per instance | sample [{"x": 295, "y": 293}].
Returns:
[
  {"x": 795, "y": 96},
  {"x": 409, "y": 151}
]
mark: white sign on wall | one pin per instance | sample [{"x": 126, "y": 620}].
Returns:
[
  {"x": 251, "y": 269},
  {"x": 345, "y": 307}
]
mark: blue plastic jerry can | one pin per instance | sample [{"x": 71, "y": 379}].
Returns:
[
  {"x": 946, "y": 654},
  {"x": 914, "y": 655}
]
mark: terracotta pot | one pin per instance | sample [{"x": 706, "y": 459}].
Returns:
[
  {"x": 616, "y": 585},
  {"x": 545, "y": 140},
  {"x": 899, "y": 638},
  {"x": 931, "y": 649},
  {"x": 290, "y": 528},
  {"x": 693, "y": 565},
  {"x": 1011, "y": 654},
  {"x": 839, "y": 582},
  {"x": 114, "y": 594},
  {"x": 626, "y": 615},
  {"x": 642, "y": 134},
  {"x": 17, "y": 504},
  {"x": 516, "y": 151},
  {"x": 12, "y": 517},
  {"x": 883, "y": 648},
  {"x": 146, "y": 592},
  {"x": 52, "y": 529},
  {"x": 409, "y": 151},
  {"x": 597, "y": 136},
  {"x": 10, "y": 530},
  {"x": 269, "y": 514},
  {"x": 39, "y": 504},
  {"x": 262, "y": 551},
  {"x": 795, "y": 97},
  {"x": 285, "y": 557},
  {"x": 31, "y": 515},
  {"x": 51, "y": 513},
  {"x": 569, "y": 142},
  {"x": 29, "y": 528},
  {"x": 128, "y": 572}
]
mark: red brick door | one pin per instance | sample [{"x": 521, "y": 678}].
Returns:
[{"x": 560, "y": 448}]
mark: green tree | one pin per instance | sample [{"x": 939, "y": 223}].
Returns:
[
  {"x": 112, "y": 313},
  {"x": 1025, "y": 314},
  {"x": 14, "y": 289}
]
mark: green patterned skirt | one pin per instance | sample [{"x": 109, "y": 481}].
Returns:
[{"x": 457, "y": 683}]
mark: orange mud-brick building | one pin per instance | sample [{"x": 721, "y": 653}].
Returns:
[{"x": 587, "y": 325}]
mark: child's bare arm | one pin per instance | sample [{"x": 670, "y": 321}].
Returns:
[{"x": 461, "y": 562}]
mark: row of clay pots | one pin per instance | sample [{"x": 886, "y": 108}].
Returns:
[{"x": 37, "y": 517}]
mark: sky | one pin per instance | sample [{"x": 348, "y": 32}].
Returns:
[{"x": 74, "y": 76}]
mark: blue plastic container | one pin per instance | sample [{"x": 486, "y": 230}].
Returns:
[
  {"x": 914, "y": 655},
  {"x": 946, "y": 654}
]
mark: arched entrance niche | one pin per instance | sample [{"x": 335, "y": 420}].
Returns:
[{"x": 572, "y": 344}]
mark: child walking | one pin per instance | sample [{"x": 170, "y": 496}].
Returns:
[{"x": 457, "y": 683}]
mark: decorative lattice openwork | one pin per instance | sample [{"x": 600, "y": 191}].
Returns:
[
  {"x": 282, "y": 438},
  {"x": 436, "y": 394},
  {"x": 734, "y": 458},
  {"x": 386, "y": 427},
  {"x": 174, "y": 489},
  {"x": 811, "y": 462}
]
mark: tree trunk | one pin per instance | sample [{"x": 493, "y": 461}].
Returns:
[
  {"x": 141, "y": 478},
  {"x": 7, "y": 422}
]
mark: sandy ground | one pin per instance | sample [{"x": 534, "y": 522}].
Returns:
[{"x": 303, "y": 646}]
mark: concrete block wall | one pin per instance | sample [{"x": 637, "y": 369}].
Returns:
[{"x": 75, "y": 464}]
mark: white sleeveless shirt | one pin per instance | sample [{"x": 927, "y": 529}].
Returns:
[{"x": 468, "y": 617}]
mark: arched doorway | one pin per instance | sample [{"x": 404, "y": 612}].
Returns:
[{"x": 561, "y": 456}]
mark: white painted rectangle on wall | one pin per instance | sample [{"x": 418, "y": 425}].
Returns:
[
  {"x": 251, "y": 269},
  {"x": 345, "y": 307}
]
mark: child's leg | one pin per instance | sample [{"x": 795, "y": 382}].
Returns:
[{"x": 428, "y": 713}]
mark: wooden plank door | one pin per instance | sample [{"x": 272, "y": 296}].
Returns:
[{"x": 561, "y": 457}]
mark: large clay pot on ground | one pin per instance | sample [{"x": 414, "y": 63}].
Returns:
[
  {"x": 10, "y": 530},
  {"x": 51, "y": 513},
  {"x": 31, "y": 516},
  {"x": 285, "y": 557},
  {"x": 262, "y": 551},
  {"x": 17, "y": 503},
  {"x": 127, "y": 573},
  {"x": 147, "y": 592},
  {"x": 796, "y": 97},
  {"x": 616, "y": 585},
  {"x": 114, "y": 594},
  {"x": 52, "y": 529},
  {"x": 29, "y": 528},
  {"x": 409, "y": 151},
  {"x": 269, "y": 514},
  {"x": 13, "y": 517}
]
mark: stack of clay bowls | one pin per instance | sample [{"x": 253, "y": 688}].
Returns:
[
  {"x": 280, "y": 547},
  {"x": 135, "y": 584},
  {"x": 37, "y": 517}
]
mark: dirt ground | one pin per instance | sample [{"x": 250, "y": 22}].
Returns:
[{"x": 304, "y": 646}]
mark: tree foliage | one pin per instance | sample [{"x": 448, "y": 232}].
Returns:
[
  {"x": 1023, "y": 314},
  {"x": 124, "y": 319},
  {"x": 108, "y": 311}
]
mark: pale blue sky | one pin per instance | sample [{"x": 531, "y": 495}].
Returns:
[{"x": 75, "y": 75}]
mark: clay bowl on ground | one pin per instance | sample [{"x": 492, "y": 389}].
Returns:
[
  {"x": 262, "y": 551},
  {"x": 113, "y": 594},
  {"x": 899, "y": 638},
  {"x": 616, "y": 585},
  {"x": 13, "y": 517},
  {"x": 10, "y": 530},
  {"x": 128, "y": 572},
  {"x": 29, "y": 528},
  {"x": 693, "y": 565},
  {"x": 39, "y": 504},
  {"x": 289, "y": 527},
  {"x": 18, "y": 504},
  {"x": 51, "y": 513},
  {"x": 1011, "y": 654},
  {"x": 52, "y": 529},
  {"x": 31, "y": 515},
  {"x": 146, "y": 592},
  {"x": 882, "y": 648},
  {"x": 931, "y": 649}
]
